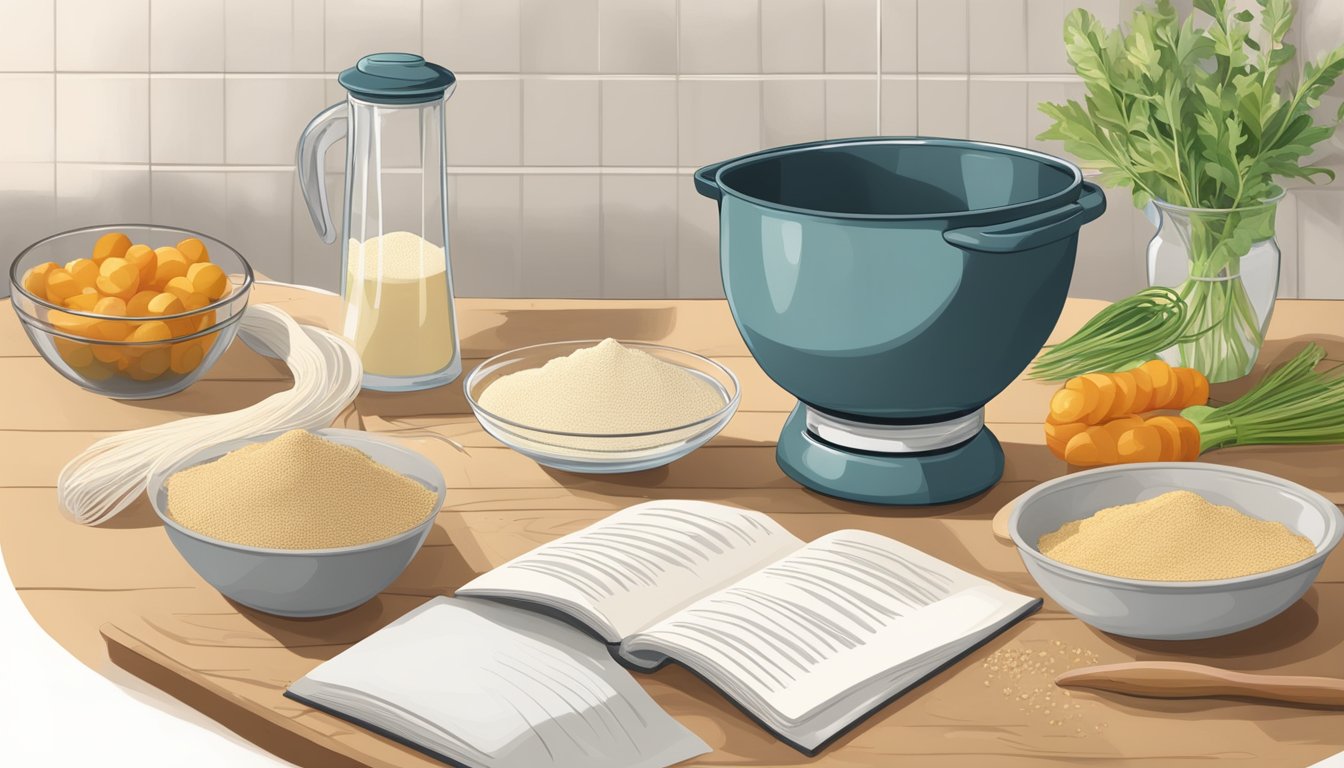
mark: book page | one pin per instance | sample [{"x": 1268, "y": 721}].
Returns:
[
  {"x": 494, "y": 686},
  {"x": 837, "y": 613},
  {"x": 645, "y": 562}
]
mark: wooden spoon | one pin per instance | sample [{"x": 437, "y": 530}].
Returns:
[
  {"x": 1181, "y": 680},
  {"x": 1000, "y": 522}
]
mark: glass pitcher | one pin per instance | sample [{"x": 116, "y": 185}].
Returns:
[{"x": 396, "y": 281}]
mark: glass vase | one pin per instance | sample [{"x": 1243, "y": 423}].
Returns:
[{"x": 1225, "y": 265}]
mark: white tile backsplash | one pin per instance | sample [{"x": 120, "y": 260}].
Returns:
[
  {"x": 900, "y": 106},
  {"x": 27, "y": 35},
  {"x": 851, "y": 108},
  {"x": 559, "y": 37},
  {"x": 720, "y": 36},
  {"x": 32, "y": 137},
  {"x": 900, "y": 36},
  {"x": 315, "y": 262},
  {"x": 483, "y": 120},
  {"x": 941, "y": 26},
  {"x": 278, "y": 36},
  {"x": 638, "y": 36},
  {"x": 698, "y": 274},
  {"x": 1108, "y": 263},
  {"x": 355, "y": 28},
  {"x": 184, "y": 35},
  {"x": 102, "y": 35},
  {"x": 793, "y": 36},
  {"x": 998, "y": 111},
  {"x": 473, "y": 35},
  {"x": 560, "y": 122},
  {"x": 88, "y": 195},
  {"x": 485, "y": 233},
  {"x": 792, "y": 112},
  {"x": 1321, "y": 230},
  {"x": 717, "y": 119},
  {"x": 1045, "y": 36},
  {"x": 997, "y": 36},
  {"x": 942, "y": 107},
  {"x": 27, "y": 209},
  {"x": 639, "y": 123},
  {"x": 572, "y": 132},
  {"x": 639, "y": 241},
  {"x": 264, "y": 116},
  {"x": 259, "y": 219},
  {"x": 561, "y": 236},
  {"x": 192, "y": 200},
  {"x": 186, "y": 119},
  {"x": 102, "y": 118},
  {"x": 851, "y": 36}
]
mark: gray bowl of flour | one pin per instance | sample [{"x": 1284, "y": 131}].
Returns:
[
  {"x": 1173, "y": 610},
  {"x": 302, "y": 582}
]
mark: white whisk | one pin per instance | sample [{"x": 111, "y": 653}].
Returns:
[{"x": 110, "y": 474}]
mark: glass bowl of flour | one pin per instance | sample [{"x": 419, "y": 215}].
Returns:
[{"x": 602, "y": 406}]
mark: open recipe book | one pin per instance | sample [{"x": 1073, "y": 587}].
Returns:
[{"x": 806, "y": 638}]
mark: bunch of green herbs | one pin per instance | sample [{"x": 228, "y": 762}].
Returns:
[
  {"x": 1206, "y": 118},
  {"x": 1119, "y": 337},
  {"x": 1295, "y": 404}
]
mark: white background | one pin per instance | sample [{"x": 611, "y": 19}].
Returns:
[{"x": 54, "y": 711}]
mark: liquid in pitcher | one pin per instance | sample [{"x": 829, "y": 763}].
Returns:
[{"x": 398, "y": 312}]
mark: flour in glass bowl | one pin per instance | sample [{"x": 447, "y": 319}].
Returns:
[{"x": 607, "y": 389}]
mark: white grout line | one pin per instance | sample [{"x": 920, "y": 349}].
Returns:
[
  {"x": 601, "y": 209},
  {"x": 1026, "y": 77},
  {"x": 877, "y": 118}
]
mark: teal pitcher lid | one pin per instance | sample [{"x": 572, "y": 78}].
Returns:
[{"x": 396, "y": 78}]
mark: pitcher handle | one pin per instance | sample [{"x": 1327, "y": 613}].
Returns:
[{"x": 329, "y": 127}]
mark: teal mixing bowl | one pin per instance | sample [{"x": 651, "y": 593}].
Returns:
[{"x": 895, "y": 286}]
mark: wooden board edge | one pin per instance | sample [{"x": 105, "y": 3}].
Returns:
[{"x": 281, "y": 739}]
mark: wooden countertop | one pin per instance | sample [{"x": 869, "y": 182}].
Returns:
[{"x": 121, "y": 594}]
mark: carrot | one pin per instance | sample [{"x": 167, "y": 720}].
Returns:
[
  {"x": 1057, "y": 436},
  {"x": 1168, "y": 434},
  {"x": 1164, "y": 383},
  {"x": 1068, "y": 405},
  {"x": 1107, "y": 391},
  {"x": 1093, "y": 447},
  {"x": 1194, "y": 388},
  {"x": 1089, "y": 398},
  {"x": 1186, "y": 440},
  {"x": 1085, "y": 391},
  {"x": 1143, "y": 398},
  {"x": 1200, "y": 395},
  {"x": 1190, "y": 440},
  {"x": 1126, "y": 391},
  {"x": 1139, "y": 443},
  {"x": 1184, "y": 388},
  {"x": 1118, "y": 427}
]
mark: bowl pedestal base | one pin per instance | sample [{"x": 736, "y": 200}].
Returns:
[{"x": 923, "y": 470}]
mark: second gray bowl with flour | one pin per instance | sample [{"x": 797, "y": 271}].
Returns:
[
  {"x": 1173, "y": 610},
  {"x": 602, "y": 406}
]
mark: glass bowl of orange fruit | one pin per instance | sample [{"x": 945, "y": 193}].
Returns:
[{"x": 130, "y": 311}]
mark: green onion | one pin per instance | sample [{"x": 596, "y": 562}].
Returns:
[
  {"x": 1118, "y": 337},
  {"x": 1293, "y": 405}
]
